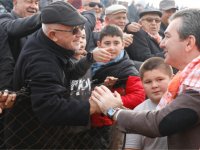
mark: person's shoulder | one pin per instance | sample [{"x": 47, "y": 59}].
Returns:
[
  {"x": 145, "y": 105},
  {"x": 141, "y": 34},
  {"x": 127, "y": 58},
  {"x": 6, "y": 15}
]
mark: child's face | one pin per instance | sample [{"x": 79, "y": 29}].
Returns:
[
  {"x": 113, "y": 42},
  {"x": 83, "y": 40},
  {"x": 79, "y": 53},
  {"x": 155, "y": 84}
]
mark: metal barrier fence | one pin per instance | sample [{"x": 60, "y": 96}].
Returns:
[{"x": 20, "y": 129}]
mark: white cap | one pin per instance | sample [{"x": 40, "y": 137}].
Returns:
[{"x": 115, "y": 9}]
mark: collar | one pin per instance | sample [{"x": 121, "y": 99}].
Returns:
[{"x": 15, "y": 15}]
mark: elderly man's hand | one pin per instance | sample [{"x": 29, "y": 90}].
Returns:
[
  {"x": 94, "y": 108},
  {"x": 106, "y": 99},
  {"x": 101, "y": 54},
  {"x": 134, "y": 27},
  {"x": 128, "y": 39},
  {"x": 7, "y": 99}
]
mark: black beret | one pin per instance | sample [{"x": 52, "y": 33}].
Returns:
[
  {"x": 62, "y": 13},
  {"x": 150, "y": 11}
]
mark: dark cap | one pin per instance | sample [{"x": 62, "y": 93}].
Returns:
[
  {"x": 167, "y": 4},
  {"x": 62, "y": 13},
  {"x": 150, "y": 11}
]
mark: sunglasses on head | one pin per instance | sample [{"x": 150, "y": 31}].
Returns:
[
  {"x": 75, "y": 30},
  {"x": 93, "y": 4}
]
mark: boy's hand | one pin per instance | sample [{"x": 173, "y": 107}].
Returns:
[{"x": 110, "y": 81}]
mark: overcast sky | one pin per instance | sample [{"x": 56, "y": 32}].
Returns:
[{"x": 180, "y": 3}]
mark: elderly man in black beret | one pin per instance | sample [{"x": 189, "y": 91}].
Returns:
[{"x": 45, "y": 70}]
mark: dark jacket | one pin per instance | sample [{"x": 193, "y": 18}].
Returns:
[
  {"x": 18, "y": 29},
  {"x": 143, "y": 47},
  {"x": 121, "y": 69},
  {"x": 89, "y": 27},
  {"x": 6, "y": 62},
  {"x": 6, "y": 73},
  {"x": 40, "y": 118},
  {"x": 8, "y": 4},
  {"x": 163, "y": 27}
]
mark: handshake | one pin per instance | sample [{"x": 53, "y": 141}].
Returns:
[{"x": 102, "y": 99}]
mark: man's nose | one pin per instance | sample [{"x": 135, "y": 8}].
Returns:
[
  {"x": 96, "y": 7},
  {"x": 34, "y": 5},
  {"x": 162, "y": 43}
]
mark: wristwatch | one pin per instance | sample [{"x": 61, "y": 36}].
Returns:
[
  {"x": 90, "y": 57},
  {"x": 111, "y": 112}
]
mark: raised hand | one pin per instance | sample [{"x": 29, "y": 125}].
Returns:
[
  {"x": 101, "y": 54},
  {"x": 128, "y": 39}
]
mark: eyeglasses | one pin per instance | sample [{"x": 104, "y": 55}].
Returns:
[
  {"x": 74, "y": 31},
  {"x": 150, "y": 20},
  {"x": 93, "y": 4}
]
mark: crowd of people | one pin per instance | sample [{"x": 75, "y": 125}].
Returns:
[{"x": 99, "y": 74}]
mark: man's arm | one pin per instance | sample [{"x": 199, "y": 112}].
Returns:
[
  {"x": 50, "y": 94},
  {"x": 181, "y": 114},
  {"x": 97, "y": 55},
  {"x": 19, "y": 27},
  {"x": 6, "y": 63}
]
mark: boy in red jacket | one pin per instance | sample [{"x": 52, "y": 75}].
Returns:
[{"x": 120, "y": 74}]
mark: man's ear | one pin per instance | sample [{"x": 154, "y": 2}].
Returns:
[
  {"x": 107, "y": 20},
  {"x": 52, "y": 36},
  {"x": 191, "y": 43},
  {"x": 140, "y": 22}
]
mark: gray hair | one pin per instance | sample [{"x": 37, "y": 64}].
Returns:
[
  {"x": 47, "y": 27},
  {"x": 190, "y": 24}
]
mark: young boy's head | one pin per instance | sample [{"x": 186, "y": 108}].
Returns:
[
  {"x": 155, "y": 75},
  {"x": 111, "y": 36},
  {"x": 79, "y": 53}
]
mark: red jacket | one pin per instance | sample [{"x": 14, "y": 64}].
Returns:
[{"x": 132, "y": 95}]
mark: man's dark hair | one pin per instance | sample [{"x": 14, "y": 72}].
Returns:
[
  {"x": 190, "y": 24},
  {"x": 111, "y": 30}
]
